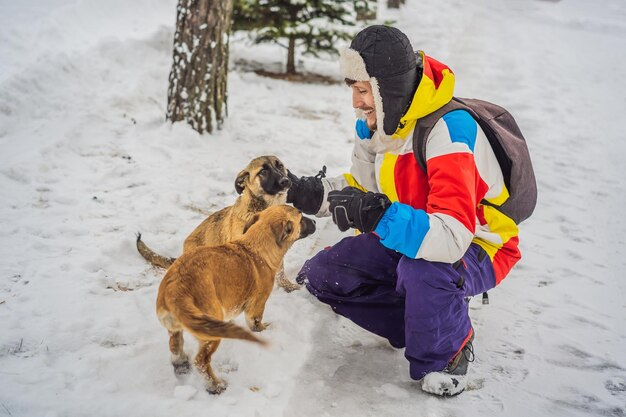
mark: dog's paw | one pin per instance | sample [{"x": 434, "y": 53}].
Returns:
[
  {"x": 216, "y": 387},
  {"x": 259, "y": 326},
  {"x": 288, "y": 286},
  {"x": 181, "y": 368}
]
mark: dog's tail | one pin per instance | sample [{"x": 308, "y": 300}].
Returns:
[
  {"x": 154, "y": 258},
  {"x": 203, "y": 325}
]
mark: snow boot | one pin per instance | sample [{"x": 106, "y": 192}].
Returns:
[{"x": 453, "y": 379}]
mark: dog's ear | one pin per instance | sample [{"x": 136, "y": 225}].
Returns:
[
  {"x": 240, "y": 181},
  {"x": 253, "y": 220},
  {"x": 282, "y": 231},
  {"x": 287, "y": 229}
]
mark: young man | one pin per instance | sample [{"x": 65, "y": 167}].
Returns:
[{"x": 429, "y": 238}]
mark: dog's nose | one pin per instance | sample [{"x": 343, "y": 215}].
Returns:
[
  {"x": 284, "y": 182},
  {"x": 308, "y": 227}
]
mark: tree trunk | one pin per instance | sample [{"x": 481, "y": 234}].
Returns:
[
  {"x": 291, "y": 56},
  {"x": 393, "y": 4},
  {"x": 365, "y": 10},
  {"x": 197, "y": 82}
]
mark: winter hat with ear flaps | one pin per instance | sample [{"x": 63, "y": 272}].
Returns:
[{"x": 383, "y": 56}]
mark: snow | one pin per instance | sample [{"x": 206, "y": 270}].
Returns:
[
  {"x": 88, "y": 160},
  {"x": 184, "y": 392}
]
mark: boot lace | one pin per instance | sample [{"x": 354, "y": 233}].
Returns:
[{"x": 468, "y": 352}]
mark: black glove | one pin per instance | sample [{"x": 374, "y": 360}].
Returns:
[
  {"x": 306, "y": 193},
  {"x": 352, "y": 207}
]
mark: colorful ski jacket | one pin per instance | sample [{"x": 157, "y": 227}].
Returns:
[{"x": 437, "y": 214}]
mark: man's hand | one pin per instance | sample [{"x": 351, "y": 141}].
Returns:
[
  {"x": 306, "y": 193},
  {"x": 352, "y": 207}
]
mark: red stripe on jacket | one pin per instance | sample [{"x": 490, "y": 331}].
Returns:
[
  {"x": 455, "y": 192},
  {"x": 411, "y": 182},
  {"x": 505, "y": 258},
  {"x": 433, "y": 69}
]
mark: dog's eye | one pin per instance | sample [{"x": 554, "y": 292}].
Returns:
[
  {"x": 279, "y": 165},
  {"x": 263, "y": 171}
]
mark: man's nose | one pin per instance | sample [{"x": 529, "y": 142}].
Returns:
[{"x": 356, "y": 101}]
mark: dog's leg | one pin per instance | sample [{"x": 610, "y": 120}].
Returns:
[
  {"x": 283, "y": 282},
  {"x": 214, "y": 385},
  {"x": 254, "y": 316},
  {"x": 180, "y": 360}
]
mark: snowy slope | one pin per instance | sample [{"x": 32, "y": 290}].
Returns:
[{"x": 87, "y": 160}]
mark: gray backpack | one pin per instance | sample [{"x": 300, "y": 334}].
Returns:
[{"x": 507, "y": 143}]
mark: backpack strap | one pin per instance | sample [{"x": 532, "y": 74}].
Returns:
[{"x": 426, "y": 124}]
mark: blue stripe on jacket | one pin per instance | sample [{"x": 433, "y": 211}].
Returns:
[
  {"x": 402, "y": 228},
  {"x": 462, "y": 127}
]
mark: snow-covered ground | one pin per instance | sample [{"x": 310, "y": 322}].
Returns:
[{"x": 87, "y": 160}]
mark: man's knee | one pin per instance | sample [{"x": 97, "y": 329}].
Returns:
[
  {"x": 325, "y": 277},
  {"x": 420, "y": 279},
  {"x": 314, "y": 270}
]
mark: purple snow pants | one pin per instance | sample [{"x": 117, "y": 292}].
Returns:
[{"x": 413, "y": 303}]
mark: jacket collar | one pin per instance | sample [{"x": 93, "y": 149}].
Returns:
[{"x": 435, "y": 89}]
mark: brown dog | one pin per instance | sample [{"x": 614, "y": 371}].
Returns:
[
  {"x": 209, "y": 285},
  {"x": 263, "y": 183}
]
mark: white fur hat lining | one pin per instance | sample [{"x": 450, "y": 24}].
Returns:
[{"x": 353, "y": 68}]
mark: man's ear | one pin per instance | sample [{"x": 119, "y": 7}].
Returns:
[
  {"x": 240, "y": 181},
  {"x": 253, "y": 220}
]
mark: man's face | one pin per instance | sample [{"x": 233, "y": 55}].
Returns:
[{"x": 362, "y": 98}]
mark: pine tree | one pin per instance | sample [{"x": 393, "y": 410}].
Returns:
[
  {"x": 316, "y": 25},
  {"x": 197, "y": 82}
]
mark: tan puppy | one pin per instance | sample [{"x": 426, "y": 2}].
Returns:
[
  {"x": 209, "y": 285},
  {"x": 263, "y": 183}
]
